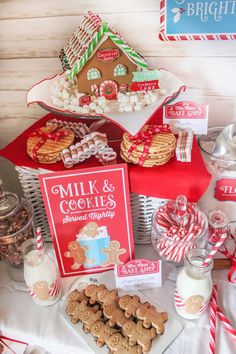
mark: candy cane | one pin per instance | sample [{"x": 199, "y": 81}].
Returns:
[
  {"x": 227, "y": 324},
  {"x": 95, "y": 89},
  {"x": 213, "y": 313}
]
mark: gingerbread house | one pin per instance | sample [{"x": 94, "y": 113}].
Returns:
[{"x": 100, "y": 59}]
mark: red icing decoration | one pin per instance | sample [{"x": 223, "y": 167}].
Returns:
[
  {"x": 144, "y": 85},
  {"x": 108, "y": 56},
  {"x": 109, "y": 89},
  {"x": 86, "y": 99}
]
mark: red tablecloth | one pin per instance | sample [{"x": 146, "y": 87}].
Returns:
[{"x": 167, "y": 181}]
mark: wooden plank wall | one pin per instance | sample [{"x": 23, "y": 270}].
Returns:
[{"x": 33, "y": 32}]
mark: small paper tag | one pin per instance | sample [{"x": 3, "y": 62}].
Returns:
[
  {"x": 186, "y": 115},
  {"x": 144, "y": 85},
  {"x": 86, "y": 99},
  {"x": 138, "y": 274}
]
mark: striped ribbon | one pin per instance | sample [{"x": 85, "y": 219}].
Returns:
[
  {"x": 56, "y": 288},
  {"x": 145, "y": 138}
]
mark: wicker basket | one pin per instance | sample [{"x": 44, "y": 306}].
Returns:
[{"x": 142, "y": 206}]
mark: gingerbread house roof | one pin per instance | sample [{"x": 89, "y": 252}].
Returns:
[{"x": 87, "y": 38}]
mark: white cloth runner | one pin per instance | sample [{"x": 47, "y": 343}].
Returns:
[{"x": 21, "y": 319}]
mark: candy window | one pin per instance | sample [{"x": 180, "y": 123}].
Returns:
[
  {"x": 93, "y": 74},
  {"x": 120, "y": 70}
]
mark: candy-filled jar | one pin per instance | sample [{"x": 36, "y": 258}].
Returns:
[
  {"x": 178, "y": 227},
  {"x": 194, "y": 285},
  {"x": 41, "y": 274},
  {"x": 16, "y": 226}
]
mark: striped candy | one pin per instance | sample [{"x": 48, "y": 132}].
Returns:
[{"x": 227, "y": 324}]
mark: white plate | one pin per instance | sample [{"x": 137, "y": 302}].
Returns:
[
  {"x": 131, "y": 122},
  {"x": 172, "y": 327}
]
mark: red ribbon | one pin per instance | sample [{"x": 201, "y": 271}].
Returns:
[
  {"x": 145, "y": 138},
  {"x": 53, "y": 135}
]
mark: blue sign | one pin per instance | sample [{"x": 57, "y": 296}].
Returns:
[{"x": 203, "y": 17}]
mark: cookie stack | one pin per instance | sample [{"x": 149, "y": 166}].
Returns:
[
  {"x": 124, "y": 324},
  {"x": 45, "y": 144},
  {"x": 153, "y": 146}
]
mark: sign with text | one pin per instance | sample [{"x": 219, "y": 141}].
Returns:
[
  {"x": 89, "y": 216},
  {"x": 196, "y": 20},
  {"x": 186, "y": 115},
  {"x": 225, "y": 189},
  {"x": 108, "y": 55},
  {"x": 144, "y": 85},
  {"x": 138, "y": 274}
]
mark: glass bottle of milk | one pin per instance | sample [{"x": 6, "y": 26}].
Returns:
[
  {"x": 193, "y": 285},
  {"x": 41, "y": 274}
]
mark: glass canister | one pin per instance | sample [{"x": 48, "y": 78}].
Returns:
[
  {"x": 16, "y": 226},
  {"x": 41, "y": 274},
  {"x": 221, "y": 192},
  {"x": 193, "y": 285},
  {"x": 178, "y": 227}
]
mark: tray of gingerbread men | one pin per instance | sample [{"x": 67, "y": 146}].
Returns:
[{"x": 111, "y": 320}]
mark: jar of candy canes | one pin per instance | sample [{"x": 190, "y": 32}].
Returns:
[
  {"x": 41, "y": 274},
  {"x": 221, "y": 192},
  {"x": 178, "y": 227},
  {"x": 194, "y": 285}
]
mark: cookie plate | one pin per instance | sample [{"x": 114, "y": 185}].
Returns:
[{"x": 172, "y": 327}]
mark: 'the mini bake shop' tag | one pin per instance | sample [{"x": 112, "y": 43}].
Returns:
[
  {"x": 186, "y": 115},
  {"x": 138, "y": 274},
  {"x": 225, "y": 189}
]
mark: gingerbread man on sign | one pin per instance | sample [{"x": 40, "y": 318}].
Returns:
[{"x": 113, "y": 254}]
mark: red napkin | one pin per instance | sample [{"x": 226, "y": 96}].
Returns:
[{"x": 167, "y": 181}]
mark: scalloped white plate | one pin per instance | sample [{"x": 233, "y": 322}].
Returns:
[
  {"x": 172, "y": 327},
  {"x": 131, "y": 122}
]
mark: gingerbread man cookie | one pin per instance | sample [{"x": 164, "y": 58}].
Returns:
[
  {"x": 75, "y": 310},
  {"x": 102, "y": 331},
  {"x": 129, "y": 304},
  {"x": 106, "y": 296},
  {"x": 137, "y": 334},
  {"x": 120, "y": 345},
  {"x": 91, "y": 292},
  {"x": 88, "y": 317},
  {"x": 114, "y": 314},
  {"x": 91, "y": 229},
  {"x": 77, "y": 253},
  {"x": 77, "y": 295},
  {"x": 151, "y": 317},
  {"x": 113, "y": 254},
  {"x": 194, "y": 303},
  {"x": 40, "y": 288}
]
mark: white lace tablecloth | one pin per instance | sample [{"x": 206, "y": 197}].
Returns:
[{"x": 21, "y": 319}]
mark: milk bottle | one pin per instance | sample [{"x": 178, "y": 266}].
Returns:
[
  {"x": 193, "y": 285},
  {"x": 41, "y": 275}
]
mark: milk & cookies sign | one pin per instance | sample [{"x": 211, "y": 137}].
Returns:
[
  {"x": 197, "y": 19},
  {"x": 89, "y": 217}
]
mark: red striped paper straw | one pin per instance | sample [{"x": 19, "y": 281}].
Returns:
[
  {"x": 213, "y": 313},
  {"x": 39, "y": 239},
  {"x": 227, "y": 324},
  {"x": 210, "y": 256}
]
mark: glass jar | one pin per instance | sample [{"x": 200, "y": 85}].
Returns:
[
  {"x": 16, "y": 226},
  {"x": 193, "y": 285},
  {"x": 41, "y": 274},
  {"x": 178, "y": 227},
  {"x": 218, "y": 224},
  {"x": 220, "y": 193}
]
